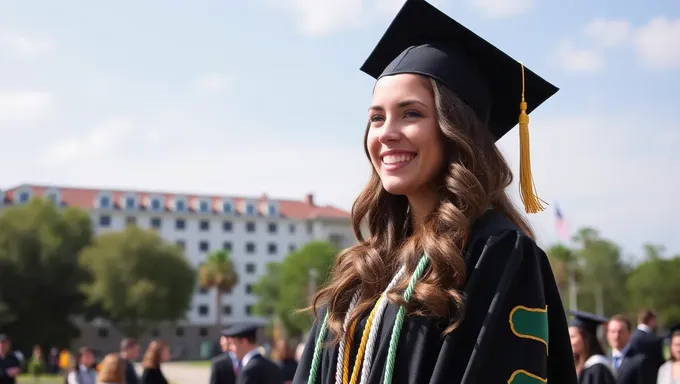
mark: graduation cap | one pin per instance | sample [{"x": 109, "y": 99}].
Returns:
[
  {"x": 246, "y": 330},
  {"x": 587, "y": 321},
  {"x": 423, "y": 40}
]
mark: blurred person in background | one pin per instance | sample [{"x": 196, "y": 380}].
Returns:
[
  {"x": 645, "y": 340},
  {"x": 112, "y": 370},
  {"x": 631, "y": 366},
  {"x": 669, "y": 372},
  {"x": 156, "y": 354},
  {"x": 36, "y": 364},
  {"x": 253, "y": 368},
  {"x": 285, "y": 357},
  {"x": 129, "y": 352},
  {"x": 592, "y": 366},
  {"x": 10, "y": 367},
  {"x": 83, "y": 371},
  {"x": 223, "y": 370}
]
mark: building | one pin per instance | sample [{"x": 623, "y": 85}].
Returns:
[{"x": 254, "y": 230}]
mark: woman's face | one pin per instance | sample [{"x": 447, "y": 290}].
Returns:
[
  {"x": 576, "y": 339},
  {"x": 675, "y": 347},
  {"x": 404, "y": 140},
  {"x": 87, "y": 359}
]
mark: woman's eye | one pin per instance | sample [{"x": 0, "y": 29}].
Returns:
[
  {"x": 413, "y": 114},
  {"x": 376, "y": 118}
]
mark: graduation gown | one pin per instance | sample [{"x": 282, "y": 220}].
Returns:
[
  {"x": 514, "y": 330},
  {"x": 597, "y": 370}
]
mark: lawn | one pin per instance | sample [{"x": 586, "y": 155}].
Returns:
[
  {"x": 46, "y": 379},
  {"x": 196, "y": 363}
]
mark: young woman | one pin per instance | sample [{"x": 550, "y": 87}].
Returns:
[
  {"x": 156, "y": 354},
  {"x": 84, "y": 371},
  {"x": 592, "y": 367},
  {"x": 448, "y": 286},
  {"x": 669, "y": 372},
  {"x": 112, "y": 370}
]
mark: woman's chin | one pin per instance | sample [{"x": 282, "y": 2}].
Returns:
[{"x": 396, "y": 187}]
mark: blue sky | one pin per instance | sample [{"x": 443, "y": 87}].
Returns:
[{"x": 267, "y": 96}]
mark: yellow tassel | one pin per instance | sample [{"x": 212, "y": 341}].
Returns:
[{"x": 527, "y": 189}]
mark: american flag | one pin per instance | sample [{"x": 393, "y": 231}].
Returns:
[{"x": 561, "y": 224}]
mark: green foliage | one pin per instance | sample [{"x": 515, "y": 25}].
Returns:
[
  {"x": 138, "y": 279},
  {"x": 285, "y": 288},
  {"x": 218, "y": 273},
  {"x": 655, "y": 284},
  {"x": 36, "y": 366},
  {"x": 39, "y": 271}
]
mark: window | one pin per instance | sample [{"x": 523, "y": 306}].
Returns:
[
  {"x": 179, "y": 332},
  {"x": 272, "y": 209},
  {"x": 203, "y": 332},
  {"x": 249, "y": 289},
  {"x": 181, "y": 244},
  {"x": 105, "y": 221},
  {"x": 180, "y": 224},
  {"x": 204, "y": 206},
  {"x": 156, "y": 222},
  {"x": 24, "y": 197},
  {"x": 250, "y": 227},
  {"x": 226, "y": 310},
  {"x": 130, "y": 202},
  {"x": 227, "y": 207},
  {"x": 291, "y": 228},
  {"x": 54, "y": 198},
  {"x": 203, "y": 246},
  {"x": 271, "y": 248},
  {"x": 156, "y": 204},
  {"x": 271, "y": 228},
  {"x": 310, "y": 227},
  {"x": 227, "y": 246},
  {"x": 291, "y": 247},
  {"x": 250, "y": 268},
  {"x": 203, "y": 310},
  {"x": 104, "y": 202},
  {"x": 180, "y": 205},
  {"x": 227, "y": 226},
  {"x": 250, "y": 209},
  {"x": 250, "y": 247},
  {"x": 249, "y": 310},
  {"x": 204, "y": 225},
  {"x": 203, "y": 291},
  {"x": 103, "y": 333}
]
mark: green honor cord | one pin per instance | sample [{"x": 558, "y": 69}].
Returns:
[{"x": 396, "y": 329}]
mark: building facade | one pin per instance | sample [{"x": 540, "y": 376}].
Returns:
[{"x": 254, "y": 230}]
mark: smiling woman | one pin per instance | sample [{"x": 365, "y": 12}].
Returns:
[{"x": 449, "y": 285}]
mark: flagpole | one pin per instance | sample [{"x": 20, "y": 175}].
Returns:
[{"x": 563, "y": 233}]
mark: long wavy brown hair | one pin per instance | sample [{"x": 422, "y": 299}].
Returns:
[
  {"x": 154, "y": 354},
  {"x": 112, "y": 369},
  {"x": 473, "y": 178}
]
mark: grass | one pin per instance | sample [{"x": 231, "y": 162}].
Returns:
[
  {"x": 44, "y": 379},
  {"x": 196, "y": 363}
]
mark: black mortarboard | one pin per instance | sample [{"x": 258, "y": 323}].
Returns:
[
  {"x": 587, "y": 321},
  {"x": 673, "y": 329},
  {"x": 423, "y": 40},
  {"x": 241, "y": 330},
  {"x": 3, "y": 337}
]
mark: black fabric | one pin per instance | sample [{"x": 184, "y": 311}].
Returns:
[
  {"x": 130, "y": 373},
  {"x": 635, "y": 369},
  {"x": 587, "y": 321},
  {"x": 508, "y": 274},
  {"x": 651, "y": 346},
  {"x": 423, "y": 40},
  {"x": 260, "y": 370},
  {"x": 222, "y": 370},
  {"x": 597, "y": 374},
  {"x": 7, "y": 362},
  {"x": 288, "y": 368},
  {"x": 153, "y": 376}
]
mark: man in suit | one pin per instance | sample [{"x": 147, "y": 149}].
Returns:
[
  {"x": 252, "y": 366},
  {"x": 222, "y": 369},
  {"x": 645, "y": 340},
  {"x": 631, "y": 366},
  {"x": 129, "y": 351}
]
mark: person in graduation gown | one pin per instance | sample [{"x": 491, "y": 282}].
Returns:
[
  {"x": 631, "y": 366},
  {"x": 222, "y": 368},
  {"x": 592, "y": 366},
  {"x": 645, "y": 341},
  {"x": 254, "y": 368},
  {"x": 156, "y": 354},
  {"x": 447, "y": 285}
]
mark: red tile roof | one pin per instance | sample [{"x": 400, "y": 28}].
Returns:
[{"x": 87, "y": 198}]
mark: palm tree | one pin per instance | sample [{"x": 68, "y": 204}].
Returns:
[{"x": 218, "y": 273}]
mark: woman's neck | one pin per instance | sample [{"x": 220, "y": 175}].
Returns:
[{"x": 421, "y": 205}]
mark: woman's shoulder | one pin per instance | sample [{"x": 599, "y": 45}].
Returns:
[{"x": 494, "y": 234}]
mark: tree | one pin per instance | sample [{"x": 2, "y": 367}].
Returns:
[
  {"x": 39, "y": 272},
  {"x": 286, "y": 288},
  {"x": 137, "y": 279},
  {"x": 655, "y": 283},
  {"x": 218, "y": 273}
]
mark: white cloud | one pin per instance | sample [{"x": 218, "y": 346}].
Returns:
[
  {"x": 212, "y": 82},
  {"x": 21, "y": 108},
  {"x": 24, "y": 46},
  {"x": 102, "y": 141},
  {"x": 658, "y": 43},
  {"x": 503, "y": 8},
  {"x": 579, "y": 59},
  {"x": 608, "y": 33}
]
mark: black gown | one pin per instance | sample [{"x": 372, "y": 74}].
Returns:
[
  {"x": 514, "y": 331},
  {"x": 597, "y": 374}
]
